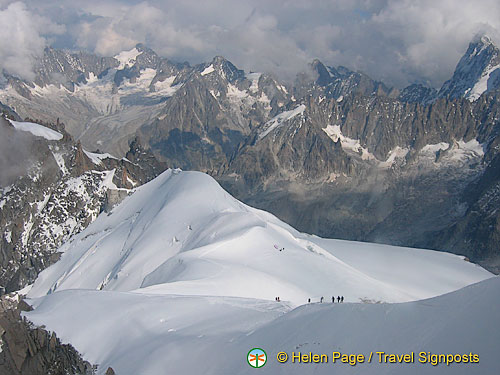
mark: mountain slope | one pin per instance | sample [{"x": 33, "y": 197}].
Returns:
[
  {"x": 138, "y": 333},
  {"x": 181, "y": 270},
  {"x": 182, "y": 234},
  {"x": 58, "y": 188},
  {"x": 440, "y": 325},
  {"x": 477, "y": 72}
]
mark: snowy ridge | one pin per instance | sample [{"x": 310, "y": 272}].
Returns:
[
  {"x": 280, "y": 119},
  {"x": 334, "y": 132},
  {"x": 135, "y": 333},
  {"x": 37, "y": 130},
  {"x": 155, "y": 243},
  {"x": 395, "y": 154},
  {"x": 98, "y": 158},
  {"x": 209, "y": 69},
  {"x": 457, "y": 152},
  {"x": 166, "y": 87},
  {"x": 354, "y": 146},
  {"x": 482, "y": 85}
]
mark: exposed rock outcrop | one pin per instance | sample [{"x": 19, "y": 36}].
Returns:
[
  {"x": 29, "y": 350},
  {"x": 62, "y": 191}
]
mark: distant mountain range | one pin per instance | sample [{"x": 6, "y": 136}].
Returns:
[{"x": 334, "y": 153}]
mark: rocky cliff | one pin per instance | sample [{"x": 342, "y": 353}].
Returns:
[
  {"x": 62, "y": 190},
  {"x": 29, "y": 350}
]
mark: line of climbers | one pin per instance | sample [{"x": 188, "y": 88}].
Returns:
[{"x": 340, "y": 299}]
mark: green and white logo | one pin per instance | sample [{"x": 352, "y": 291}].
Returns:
[{"x": 256, "y": 358}]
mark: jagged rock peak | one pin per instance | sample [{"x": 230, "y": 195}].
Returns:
[
  {"x": 147, "y": 58},
  {"x": 477, "y": 72},
  {"x": 418, "y": 93},
  {"x": 482, "y": 39},
  {"x": 141, "y": 47},
  {"x": 225, "y": 68},
  {"x": 135, "y": 149},
  {"x": 324, "y": 76}
]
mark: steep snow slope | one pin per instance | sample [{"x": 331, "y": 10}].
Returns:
[{"x": 182, "y": 234}]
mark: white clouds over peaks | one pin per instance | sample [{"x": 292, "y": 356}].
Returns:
[
  {"x": 21, "y": 38},
  {"x": 432, "y": 36},
  {"x": 399, "y": 42}
]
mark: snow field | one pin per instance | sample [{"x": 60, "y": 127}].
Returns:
[{"x": 182, "y": 276}]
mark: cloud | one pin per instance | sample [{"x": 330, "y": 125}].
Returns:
[
  {"x": 15, "y": 153},
  {"x": 399, "y": 42},
  {"x": 432, "y": 36},
  {"x": 21, "y": 38}
]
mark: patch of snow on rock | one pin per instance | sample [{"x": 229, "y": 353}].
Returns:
[
  {"x": 37, "y": 130},
  {"x": 127, "y": 57},
  {"x": 278, "y": 120},
  {"x": 208, "y": 70}
]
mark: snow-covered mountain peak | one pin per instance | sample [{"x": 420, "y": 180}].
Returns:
[
  {"x": 223, "y": 68},
  {"x": 183, "y": 234},
  {"x": 477, "y": 72},
  {"x": 37, "y": 130}
]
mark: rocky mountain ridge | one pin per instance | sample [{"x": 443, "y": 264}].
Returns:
[
  {"x": 358, "y": 160},
  {"x": 477, "y": 72},
  {"x": 30, "y": 350},
  {"x": 62, "y": 191}
]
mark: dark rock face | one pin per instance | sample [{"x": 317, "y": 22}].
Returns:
[
  {"x": 340, "y": 81},
  {"x": 477, "y": 232},
  {"x": 211, "y": 115},
  {"x": 322, "y": 184},
  {"x": 63, "y": 190},
  {"x": 28, "y": 350},
  {"x": 418, "y": 93}
]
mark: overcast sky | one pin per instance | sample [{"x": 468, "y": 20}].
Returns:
[{"x": 398, "y": 42}]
